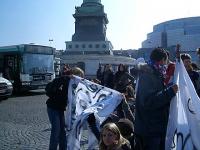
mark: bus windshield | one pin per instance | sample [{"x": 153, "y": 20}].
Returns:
[{"x": 38, "y": 63}]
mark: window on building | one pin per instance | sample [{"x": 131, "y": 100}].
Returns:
[
  {"x": 97, "y": 46},
  {"x": 104, "y": 45},
  {"x": 83, "y": 45},
  {"x": 69, "y": 46},
  {"x": 77, "y": 46},
  {"x": 191, "y": 30},
  {"x": 90, "y": 45}
]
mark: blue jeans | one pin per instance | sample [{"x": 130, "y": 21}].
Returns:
[{"x": 58, "y": 134}]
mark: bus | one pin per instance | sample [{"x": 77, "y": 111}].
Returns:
[{"x": 27, "y": 66}]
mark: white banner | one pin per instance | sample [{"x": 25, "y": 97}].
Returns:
[
  {"x": 183, "y": 131},
  {"x": 88, "y": 97}
]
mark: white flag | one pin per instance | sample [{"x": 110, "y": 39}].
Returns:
[
  {"x": 183, "y": 131},
  {"x": 89, "y": 97}
]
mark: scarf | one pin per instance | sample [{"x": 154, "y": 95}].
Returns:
[{"x": 160, "y": 68}]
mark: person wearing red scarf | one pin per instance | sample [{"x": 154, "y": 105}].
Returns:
[{"x": 152, "y": 103}]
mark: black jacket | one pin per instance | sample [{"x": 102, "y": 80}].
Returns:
[
  {"x": 57, "y": 91},
  {"x": 122, "y": 80},
  {"x": 107, "y": 79}
]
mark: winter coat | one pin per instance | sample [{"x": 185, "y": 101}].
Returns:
[
  {"x": 194, "y": 76},
  {"x": 152, "y": 103},
  {"x": 57, "y": 91},
  {"x": 122, "y": 80},
  {"x": 107, "y": 79}
]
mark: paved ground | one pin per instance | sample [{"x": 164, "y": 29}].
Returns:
[{"x": 24, "y": 124}]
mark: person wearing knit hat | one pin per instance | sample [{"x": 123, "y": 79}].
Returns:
[{"x": 126, "y": 128}]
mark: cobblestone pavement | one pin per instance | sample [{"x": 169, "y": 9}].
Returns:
[{"x": 24, "y": 124}]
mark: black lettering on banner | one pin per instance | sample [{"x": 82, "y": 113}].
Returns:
[
  {"x": 77, "y": 129},
  {"x": 90, "y": 86},
  {"x": 180, "y": 136},
  {"x": 188, "y": 105}
]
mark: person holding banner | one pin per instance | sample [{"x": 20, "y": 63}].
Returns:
[
  {"x": 56, "y": 105},
  {"x": 152, "y": 103},
  {"x": 57, "y": 92}
]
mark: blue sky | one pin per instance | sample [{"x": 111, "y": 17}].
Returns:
[{"x": 37, "y": 21}]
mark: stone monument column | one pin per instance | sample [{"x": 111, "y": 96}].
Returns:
[{"x": 91, "y": 21}]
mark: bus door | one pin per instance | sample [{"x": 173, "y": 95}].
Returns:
[{"x": 11, "y": 67}]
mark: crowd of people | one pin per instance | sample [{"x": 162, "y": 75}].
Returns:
[{"x": 140, "y": 120}]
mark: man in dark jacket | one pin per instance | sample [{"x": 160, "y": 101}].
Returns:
[
  {"x": 152, "y": 103},
  {"x": 57, "y": 91}
]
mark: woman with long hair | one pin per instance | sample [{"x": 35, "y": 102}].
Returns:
[{"x": 111, "y": 138}]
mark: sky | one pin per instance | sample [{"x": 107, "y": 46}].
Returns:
[{"x": 37, "y": 21}]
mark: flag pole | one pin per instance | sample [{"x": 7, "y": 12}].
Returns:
[{"x": 178, "y": 52}]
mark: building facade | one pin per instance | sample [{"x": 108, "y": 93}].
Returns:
[{"x": 185, "y": 31}]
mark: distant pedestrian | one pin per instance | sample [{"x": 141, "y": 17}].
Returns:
[
  {"x": 122, "y": 78},
  {"x": 99, "y": 73},
  {"x": 108, "y": 76},
  {"x": 194, "y": 76},
  {"x": 66, "y": 70}
]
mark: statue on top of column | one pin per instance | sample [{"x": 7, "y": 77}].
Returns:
[{"x": 93, "y": 1}]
